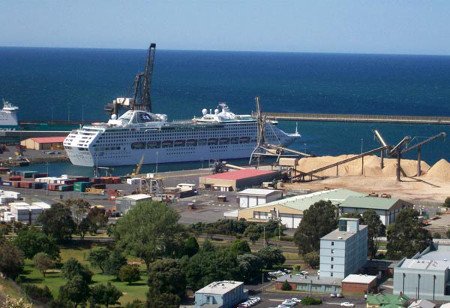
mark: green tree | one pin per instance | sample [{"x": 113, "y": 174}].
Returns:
[
  {"x": 166, "y": 279},
  {"x": 319, "y": 220},
  {"x": 31, "y": 241},
  {"x": 447, "y": 202},
  {"x": 191, "y": 246},
  {"x": 115, "y": 261},
  {"x": 129, "y": 273},
  {"x": 448, "y": 233},
  {"x": 312, "y": 258},
  {"x": 240, "y": 247},
  {"x": 271, "y": 256},
  {"x": 57, "y": 222},
  {"x": 106, "y": 294},
  {"x": 250, "y": 267},
  {"x": 43, "y": 262},
  {"x": 406, "y": 236},
  {"x": 75, "y": 290},
  {"x": 375, "y": 228},
  {"x": 253, "y": 233},
  {"x": 148, "y": 231},
  {"x": 98, "y": 257},
  {"x": 74, "y": 268},
  {"x": 286, "y": 286},
  {"x": 11, "y": 259},
  {"x": 38, "y": 295},
  {"x": 83, "y": 228}
]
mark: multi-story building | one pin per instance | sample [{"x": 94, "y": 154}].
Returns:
[{"x": 344, "y": 250}]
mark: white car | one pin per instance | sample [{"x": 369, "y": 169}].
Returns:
[
  {"x": 289, "y": 303},
  {"x": 333, "y": 295},
  {"x": 295, "y": 299},
  {"x": 347, "y": 304}
]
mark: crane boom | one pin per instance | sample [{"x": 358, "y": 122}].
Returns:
[
  {"x": 143, "y": 83},
  {"x": 418, "y": 145}
]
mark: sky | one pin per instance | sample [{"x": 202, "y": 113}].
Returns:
[{"x": 335, "y": 26}]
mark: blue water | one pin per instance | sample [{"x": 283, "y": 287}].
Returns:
[{"x": 75, "y": 84}]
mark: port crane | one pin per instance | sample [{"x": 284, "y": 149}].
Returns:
[{"x": 142, "y": 84}]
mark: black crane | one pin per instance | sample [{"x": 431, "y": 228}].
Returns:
[{"x": 143, "y": 83}]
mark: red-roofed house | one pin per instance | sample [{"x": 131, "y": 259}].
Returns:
[
  {"x": 236, "y": 180},
  {"x": 43, "y": 143}
]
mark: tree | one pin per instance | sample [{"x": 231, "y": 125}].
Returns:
[
  {"x": 11, "y": 259},
  {"x": 319, "y": 220},
  {"x": 74, "y": 268},
  {"x": 148, "y": 231},
  {"x": 271, "y": 256},
  {"x": 375, "y": 228},
  {"x": 447, "y": 202},
  {"x": 166, "y": 281},
  {"x": 75, "y": 290},
  {"x": 240, "y": 247},
  {"x": 37, "y": 294},
  {"x": 129, "y": 273},
  {"x": 31, "y": 241},
  {"x": 43, "y": 262},
  {"x": 83, "y": 228},
  {"x": 106, "y": 294},
  {"x": 253, "y": 233},
  {"x": 57, "y": 222},
  {"x": 115, "y": 261},
  {"x": 97, "y": 219},
  {"x": 312, "y": 258},
  {"x": 191, "y": 246},
  {"x": 406, "y": 236},
  {"x": 448, "y": 233},
  {"x": 286, "y": 286},
  {"x": 250, "y": 267},
  {"x": 98, "y": 257}
]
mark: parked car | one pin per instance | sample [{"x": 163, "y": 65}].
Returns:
[
  {"x": 347, "y": 304},
  {"x": 297, "y": 300},
  {"x": 333, "y": 295},
  {"x": 339, "y": 295},
  {"x": 289, "y": 303}
]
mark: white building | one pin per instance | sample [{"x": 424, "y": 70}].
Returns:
[
  {"x": 124, "y": 204},
  {"x": 218, "y": 294},
  {"x": 344, "y": 250},
  {"x": 252, "y": 197}
]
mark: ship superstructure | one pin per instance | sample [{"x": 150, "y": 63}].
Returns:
[
  {"x": 8, "y": 116},
  {"x": 218, "y": 134}
]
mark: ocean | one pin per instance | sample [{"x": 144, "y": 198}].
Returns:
[{"x": 75, "y": 84}]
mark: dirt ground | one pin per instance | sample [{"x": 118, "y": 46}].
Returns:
[{"x": 410, "y": 188}]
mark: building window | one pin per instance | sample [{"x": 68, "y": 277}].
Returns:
[
  {"x": 331, "y": 274},
  {"x": 332, "y": 250},
  {"x": 332, "y": 266},
  {"x": 332, "y": 243},
  {"x": 332, "y": 258}
]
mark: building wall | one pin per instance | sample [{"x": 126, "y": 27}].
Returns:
[
  {"x": 313, "y": 288},
  {"x": 425, "y": 283},
  {"x": 227, "y": 300},
  {"x": 358, "y": 287}
]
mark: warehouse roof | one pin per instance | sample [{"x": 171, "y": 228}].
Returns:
[
  {"x": 258, "y": 192},
  {"x": 370, "y": 202},
  {"x": 220, "y": 287},
  {"x": 138, "y": 197},
  {"x": 58, "y": 139},
  {"x": 365, "y": 279},
  {"x": 239, "y": 174}
]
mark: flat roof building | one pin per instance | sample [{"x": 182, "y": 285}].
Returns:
[
  {"x": 386, "y": 208},
  {"x": 236, "y": 180},
  {"x": 426, "y": 275},
  {"x": 344, "y": 250},
  {"x": 226, "y": 294},
  {"x": 44, "y": 143},
  {"x": 125, "y": 203},
  {"x": 359, "y": 284},
  {"x": 254, "y": 196}
]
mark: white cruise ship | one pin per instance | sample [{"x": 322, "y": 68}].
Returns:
[
  {"x": 8, "y": 116},
  {"x": 218, "y": 134}
]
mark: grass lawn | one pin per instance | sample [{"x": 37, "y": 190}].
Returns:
[{"x": 54, "y": 280}]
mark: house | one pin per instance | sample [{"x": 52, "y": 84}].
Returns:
[
  {"x": 344, "y": 250},
  {"x": 253, "y": 196},
  {"x": 226, "y": 294}
]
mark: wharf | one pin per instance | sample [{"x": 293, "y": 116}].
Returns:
[{"x": 362, "y": 118}]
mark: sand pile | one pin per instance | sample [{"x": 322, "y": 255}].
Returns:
[
  {"x": 372, "y": 166},
  {"x": 440, "y": 171}
]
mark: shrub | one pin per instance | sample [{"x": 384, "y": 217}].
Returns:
[
  {"x": 312, "y": 258},
  {"x": 308, "y": 300},
  {"x": 37, "y": 294},
  {"x": 74, "y": 268},
  {"x": 448, "y": 233},
  {"x": 437, "y": 235},
  {"x": 286, "y": 286},
  {"x": 447, "y": 202}
]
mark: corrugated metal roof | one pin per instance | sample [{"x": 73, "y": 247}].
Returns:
[
  {"x": 239, "y": 174},
  {"x": 353, "y": 278},
  {"x": 258, "y": 192},
  {"x": 369, "y": 203},
  {"x": 57, "y": 139}
]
